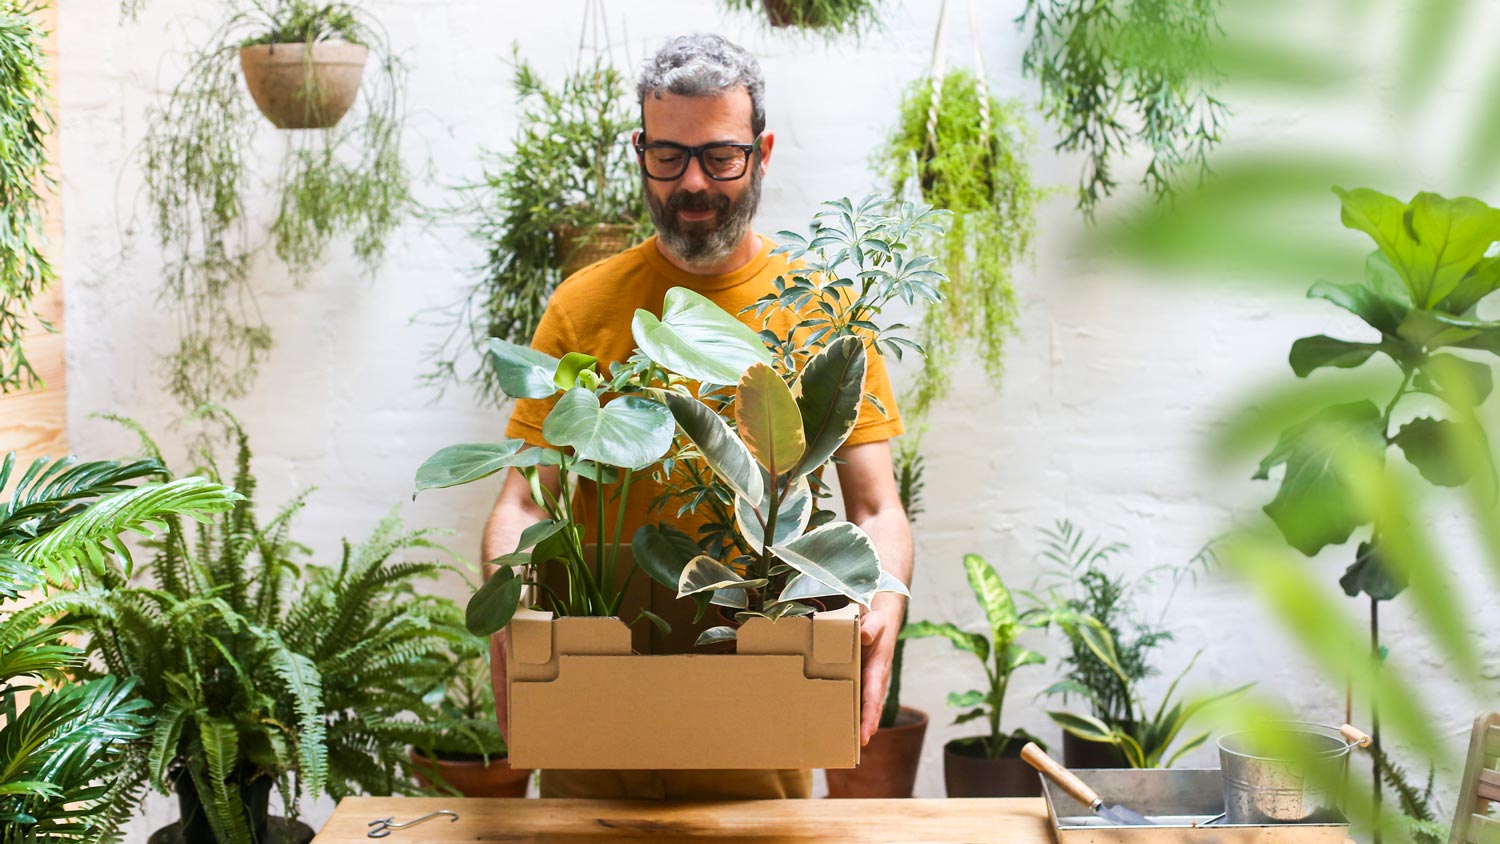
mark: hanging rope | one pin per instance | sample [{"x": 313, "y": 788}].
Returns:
[{"x": 936, "y": 71}]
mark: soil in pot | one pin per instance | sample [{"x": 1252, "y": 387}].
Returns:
[
  {"x": 470, "y": 776},
  {"x": 300, "y": 88},
  {"x": 1079, "y": 753},
  {"x": 888, "y": 764},
  {"x": 968, "y": 772}
]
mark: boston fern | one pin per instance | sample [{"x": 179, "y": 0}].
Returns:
[
  {"x": 570, "y": 165},
  {"x": 24, "y": 126},
  {"x": 260, "y": 665},
  {"x": 62, "y": 756}
]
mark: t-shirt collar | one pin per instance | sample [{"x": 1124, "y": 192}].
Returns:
[{"x": 700, "y": 283}]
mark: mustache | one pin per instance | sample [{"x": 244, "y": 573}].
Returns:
[{"x": 701, "y": 201}]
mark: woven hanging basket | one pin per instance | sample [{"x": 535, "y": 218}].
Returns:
[
  {"x": 579, "y": 246},
  {"x": 297, "y": 87}
]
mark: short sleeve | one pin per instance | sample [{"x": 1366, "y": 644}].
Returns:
[
  {"x": 872, "y": 426},
  {"x": 554, "y": 336}
]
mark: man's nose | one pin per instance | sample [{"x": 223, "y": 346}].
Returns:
[{"x": 695, "y": 179}]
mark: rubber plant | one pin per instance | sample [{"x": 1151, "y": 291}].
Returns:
[
  {"x": 1120, "y": 75},
  {"x": 828, "y": 18},
  {"x": 569, "y": 166},
  {"x": 1432, "y": 267},
  {"x": 703, "y": 386},
  {"x": 67, "y": 746},
  {"x": 25, "y": 124},
  {"x": 349, "y": 180},
  {"x": 262, "y": 668},
  {"x": 968, "y": 157}
]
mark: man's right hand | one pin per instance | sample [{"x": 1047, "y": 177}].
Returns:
[{"x": 497, "y": 679}]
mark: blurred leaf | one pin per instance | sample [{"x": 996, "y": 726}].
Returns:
[
  {"x": 1427, "y": 443},
  {"x": 1368, "y": 575},
  {"x": 1314, "y": 506},
  {"x": 1310, "y": 353}
]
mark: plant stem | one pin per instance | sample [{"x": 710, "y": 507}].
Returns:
[
  {"x": 1375, "y": 709},
  {"x": 614, "y": 545},
  {"x": 1385, "y": 419},
  {"x": 773, "y": 504},
  {"x": 604, "y": 575}
]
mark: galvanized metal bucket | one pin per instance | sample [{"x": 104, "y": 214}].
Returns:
[{"x": 1287, "y": 772}]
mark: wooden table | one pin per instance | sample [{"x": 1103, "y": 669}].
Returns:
[{"x": 1012, "y": 821}]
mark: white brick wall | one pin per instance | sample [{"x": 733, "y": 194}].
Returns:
[{"x": 1114, "y": 382}]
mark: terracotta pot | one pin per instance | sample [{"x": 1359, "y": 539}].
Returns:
[
  {"x": 298, "y": 88},
  {"x": 888, "y": 764},
  {"x": 967, "y": 772},
  {"x": 779, "y": 14},
  {"x": 579, "y": 246},
  {"x": 1082, "y": 754},
  {"x": 472, "y": 777}
]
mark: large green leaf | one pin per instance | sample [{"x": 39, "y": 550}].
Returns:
[
  {"x": 1430, "y": 445},
  {"x": 698, "y": 339},
  {"x": 768, "y": 420},
  {"x": 999, "y": 607},
  {"x": 839, "y": 555},
  {"x": 1371, "y": 575},
  {"x": 829, "y": 393},
  {"x": 570, "y": 366},
  {"x": 793, "y": 513},
  {"x": 1380, "y": 310},
  {"x": 970, "y": 642},
  {"x": 523, "y": 372},
  {"x": 1086, "y": 727},
  {"x": 705, "y": 575},
  {"x": 1315, "y": 506},
  {"x": 1460, "y": 382},
  {"x": 1310, "y": 353},
  {"x": 460, "y": 464},
  {"x": 493, "y": 606},
  {"x": 629, "y": 432},
  {"x": 1433, "y": 330},
  {"x": 1433, "y": 242},
  {"x": 723, "y": 451},
  {"x": 663, "y": 551}
]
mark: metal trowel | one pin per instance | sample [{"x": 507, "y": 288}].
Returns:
[{"x": 1078, "y": 789}]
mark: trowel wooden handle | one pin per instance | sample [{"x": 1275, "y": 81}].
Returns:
[
  {"x": 1354, "y": 735},
  {"x": 1065, "y": 779}
]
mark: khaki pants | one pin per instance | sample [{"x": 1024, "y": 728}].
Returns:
[{"x": 678, "y": 785}]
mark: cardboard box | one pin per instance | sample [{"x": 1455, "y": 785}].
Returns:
[{"x": 580, "y": 698}]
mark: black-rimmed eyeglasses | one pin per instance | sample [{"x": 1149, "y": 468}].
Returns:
[{"x": 665, "y": 161}]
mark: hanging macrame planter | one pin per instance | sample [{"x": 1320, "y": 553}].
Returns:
[
  {"x": 302, "y": 86},
  {"x": 988, "y": 140}
]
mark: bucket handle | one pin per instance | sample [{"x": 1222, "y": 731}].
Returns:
[{"x": 1354, "y": 736}]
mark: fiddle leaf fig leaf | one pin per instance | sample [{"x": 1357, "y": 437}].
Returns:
[
  {"x": 697, "y": 339},
  {"x": 1314, "y": 506},
  {"x": 1433, "y": 242},
  {"x": 1370, "y": 574},
  {"x": 523, "y": 372},
  {"x": 1310, "y": 353},
  {"x": 629, "y": 432},
  {"x": 1381, "y": 311},
  {"x": 1429, "y": 444}
]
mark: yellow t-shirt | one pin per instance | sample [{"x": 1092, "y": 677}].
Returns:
[{"x": 591, "y": 312}]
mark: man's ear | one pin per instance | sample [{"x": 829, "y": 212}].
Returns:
[
  {"x": 767, "y": 141},
  {"x": 635, "y": 137}
]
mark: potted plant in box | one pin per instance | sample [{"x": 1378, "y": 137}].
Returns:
[
  {"x": 989, "y": 765},
  {"x": 760, "y": 443},
  {"x": 469, "y": 756}
]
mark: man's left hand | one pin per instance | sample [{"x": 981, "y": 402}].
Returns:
[{"x": 878, "y": 629}]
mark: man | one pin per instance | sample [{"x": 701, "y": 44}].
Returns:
[{"x": 703, "y": 151}]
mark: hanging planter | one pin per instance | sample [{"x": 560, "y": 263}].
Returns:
[
  {"x": 304, "y": 86},
  {"x": 824, "y": 17},
  {"x": 579, "y": 246}
]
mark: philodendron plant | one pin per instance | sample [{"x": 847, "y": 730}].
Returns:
[{"x": 763, "y": 412}]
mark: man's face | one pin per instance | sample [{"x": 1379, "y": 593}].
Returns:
[{"x": 701, "y": 220}]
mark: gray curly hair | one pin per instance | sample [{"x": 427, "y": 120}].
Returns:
[{"x": 704, "y": 65}]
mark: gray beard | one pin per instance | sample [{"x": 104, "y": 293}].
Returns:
[{"x": 695, "y": 244}]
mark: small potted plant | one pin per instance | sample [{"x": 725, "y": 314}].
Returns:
[
  {"x": 467, "y": 754},
  {"x": 888, "y": 764},
  {"x": 988, "y": 765},
  {"x": 1111, "y": 657},
  {"x": 824, "y": 17},
  {"x": 304, "y": 72}
]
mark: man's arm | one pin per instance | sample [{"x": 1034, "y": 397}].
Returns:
[
  {"x": 872, "y": 501},
  {"x": 514, "y": 512}
]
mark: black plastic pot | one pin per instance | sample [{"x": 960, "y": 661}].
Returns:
[
  {"x": 968, "y": 772},
  {"x": 1080, "y": 753},
  {"x": 193, "y": 827}
]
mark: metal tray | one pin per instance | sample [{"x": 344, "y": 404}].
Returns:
[{"x": 1175, "y": 799}]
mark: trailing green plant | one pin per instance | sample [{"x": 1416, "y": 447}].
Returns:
[
  {"x": 1421, "y": 290},
  {"x": 1111, "y": 654},
  {"x": 65, "y": 750},
  {"x": 1117, "y": 75},
  {"x": 258, "y": 664},
  {"x": 696, "y": 369},
  {"x": 25, "y": 124},
  {"x": 347, "y": 180},
  {"x": 1000, "y": 652},
  {"x": 910, "y": 472},
  {"x": 972, "y": 162},
  {"x": 569, "y": 166},
  {"x": 828, "y": 18}
]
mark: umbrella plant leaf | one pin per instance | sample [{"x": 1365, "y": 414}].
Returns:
[
  {"x": 768, "y": 420},
  {"x": 629, "y": 432},
  {"x": 697, "y": 339},
  {"x": 523, "y": 372}
]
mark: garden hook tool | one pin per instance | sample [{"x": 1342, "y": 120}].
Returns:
[
  {"x": 1078, "y": 789},
  {"x": 383, "y": 826}
]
